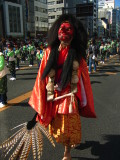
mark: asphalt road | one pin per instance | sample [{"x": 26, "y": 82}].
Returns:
[{"x": 100, "y": 136}]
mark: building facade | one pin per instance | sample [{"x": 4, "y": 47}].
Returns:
[
  {"x": 105, "y": 12},
  {"x": 35, "y": 18},
  {"x": 115, "y": 28},
  {"x": 1, "y": 21},
  {"x": 41, "y": 18},
  {"x": 58, "y": 7},
  {"x": 106, "y": 4},
  {"x": 23, "y": 18},
  {"x": 12, "y": 19},
  {"x": 30, "y": 18},
  {"x": 54, "y": 10},
  {"x": 89, "y": 15}
]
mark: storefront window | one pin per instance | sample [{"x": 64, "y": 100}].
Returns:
[{"x": 14, "y": 19}]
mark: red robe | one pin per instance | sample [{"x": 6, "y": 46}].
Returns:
[{"x": 38, "y": 99}]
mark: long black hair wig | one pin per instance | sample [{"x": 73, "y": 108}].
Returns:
[{"x": 77, "y": 49}]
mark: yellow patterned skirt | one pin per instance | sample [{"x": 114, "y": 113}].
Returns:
[{"x": 66, "y": 129}]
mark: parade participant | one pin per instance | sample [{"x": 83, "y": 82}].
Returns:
[
  {"x": 17, "y": 55},
  {"x": 11, "y": 56},
  {"x": 41, "y": 45},
  {"x": 92, "y": 56},
  {"x": 23, "y": 53},
  {"x": 45, "y": 46},
  {"x": 39, "y": 56},
  {"x": 5, "y": 52},
  {"x": 108, "y": 50},
  {"x": 64, "y": 66},
  {"x": 87, "y": 52},
  {"x": 31, "y": 54},
  {"x": 102, "y": 53},
  {"x": 7, "y": 57},
  {"x": 119, "y": 50},
  {"x": 117, "y": 46},
  {"x": 3, "y": 81},
  {"x": 62, "y": 91},
  {"x": 112, "y": 47},
  {"x": 1, "y": 45}
]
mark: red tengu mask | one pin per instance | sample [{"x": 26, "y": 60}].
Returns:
[{"x": 65, "y": 32}]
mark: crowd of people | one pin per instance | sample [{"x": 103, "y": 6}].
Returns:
[
  {"x": 101, "y": 50},
  {"x": 12, "y": 53}
]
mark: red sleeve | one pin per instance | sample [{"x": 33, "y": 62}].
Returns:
[
  {"x": 88, "y": 110},
  {"x": 38, "y": 99}
]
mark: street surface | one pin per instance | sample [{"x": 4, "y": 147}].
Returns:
[{"x": 100, "y": 136}]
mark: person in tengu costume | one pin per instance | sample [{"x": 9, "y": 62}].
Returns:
[{"x": 62, "y": 91}]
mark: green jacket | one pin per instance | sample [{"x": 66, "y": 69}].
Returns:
[
  {"x": 2, "y": 62},
  {"x": 24, "y": 48},
  {"x": 17, "y": 52},
  {"x": 108, "y": 46},
  {"x": 39, "y": 56},
  {"x": 10, "y": 54},
  {"x": 30, "y": 48},
  {"x": 105, "y": 48}
]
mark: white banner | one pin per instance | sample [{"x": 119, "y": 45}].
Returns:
[{"x": 106, "y": 3}]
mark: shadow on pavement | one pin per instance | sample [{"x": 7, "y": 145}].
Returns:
[
  {"x": 22, "y": 74},
  {"x": 93, "y": 82},
  {"x": 24, "y": 104},
  {"x": 110, "y": 68},
  {"x": 110, "y": 150},
  {"x": 21, "y": 104},
  {"x": 81, "y": 158},
  {"x": 98, "y": 75},
  {"x": 25, "y": 78}
]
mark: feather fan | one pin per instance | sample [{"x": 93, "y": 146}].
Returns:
[{"x": 29, "y": 136}]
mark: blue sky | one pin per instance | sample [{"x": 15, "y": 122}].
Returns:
[{"x": 117, "y": 3}]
